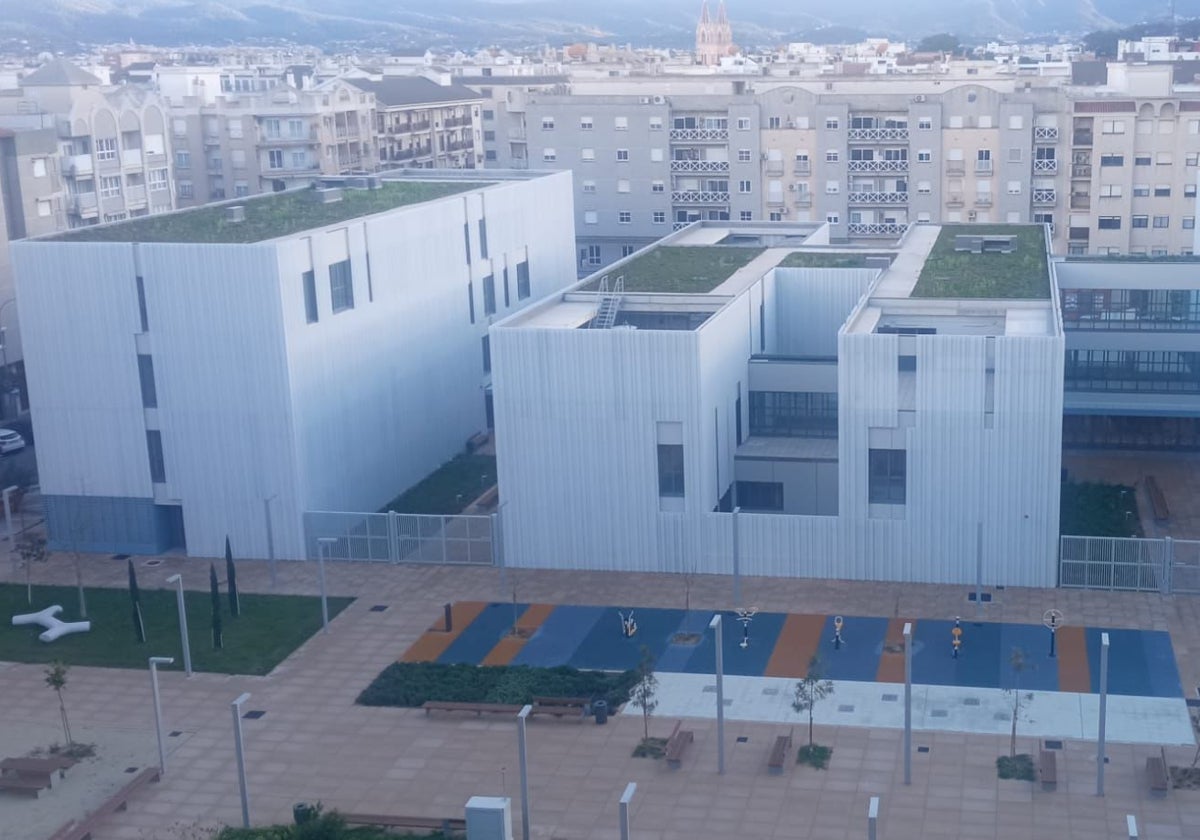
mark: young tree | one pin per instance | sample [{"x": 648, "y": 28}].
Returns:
[
  {"x": 135, "y": 596},
  {"x": 56, "y": 678},
  {"x": 1016, "y": 661},
  {"x": 810, "y": 690},
  {"x": 218, "y": 639},
  {"x": 644, "y": 690},
  {"x": 31, "y": 548},
  {"x": 235, "y": 605}
]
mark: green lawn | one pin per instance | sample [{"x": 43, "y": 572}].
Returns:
[
  {"x": 681, "y": 269},
  {"x": 1093, "y": 509},
  {"x": 449, "y": 488},
  {"x": 268, "y": 630},
  {"x": 410, "y": 684},
  {"x": 813, "y": 259},
  {"x": 953, "y": 274}
]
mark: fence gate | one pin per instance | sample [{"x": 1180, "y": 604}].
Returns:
[
  {"x": 1185, "y": 566},
  {"x": 1125, "y": 563},
  {"x": 465, "y": 540}
]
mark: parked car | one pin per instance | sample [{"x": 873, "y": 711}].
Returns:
[{"x": 10, "y": 441}]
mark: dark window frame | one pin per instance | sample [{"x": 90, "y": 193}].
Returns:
[
  {"x": 887, "y": 476},
  {"x": 671, "y": 471}
]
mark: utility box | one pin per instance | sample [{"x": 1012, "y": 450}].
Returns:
[{"x": 489, "y": 818}]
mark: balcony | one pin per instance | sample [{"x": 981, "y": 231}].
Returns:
[
  {"x": 212, "y": 138},
  {"x": 888, "y": 229},
  {"x": 699, "y": 166},
  {"x": 215, "y": 167},
  {"x": 1081, "y": 138},
  {"x": 516, "y": 135},
  {"x": 983, "y": 167},
  {"x": 1045, "y": 165},
  {"x": 77, "y": 165},
  {"x": 83, "y": 204},
  {"x": 956, "y": 167},
  {"x": 1045, "y": 198},
  {"x": 774, "y": 167},
  {"x": 135, "y": 194},
  {"x": 305, "y": 139},
  {"x": 290, "y": 168},
  {"x": 803, "y": 199},
  {"x": 775, "y": 199},
  {"x": 1078, "y": 234},
  {"x": 877, "y": 197},
  {"x": 802, "y": 167},
  {"x": 1081, "y": 171},
  {"x": 456, "y": 122},
  {"x": 878, "y": 165},
  {"x": 1045, "y": 134},
  {"x": 1081, "y": 201},
  {"x": 954, "y": 200},
  {"x": 699, "y": 135},
  {"x": 699, "y": 197},
  {"x": 131, "y": 157},
  {"x": 983, "y": 200},
  {"x": 681, "y": 225},
  {"x": 878, "y": 135},
  {"x": 416, "y": 126}
]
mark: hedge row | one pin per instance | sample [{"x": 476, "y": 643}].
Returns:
[{"x": 409, "y": 684}]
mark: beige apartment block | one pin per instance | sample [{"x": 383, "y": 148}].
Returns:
[{"x": 423, "y": 124}]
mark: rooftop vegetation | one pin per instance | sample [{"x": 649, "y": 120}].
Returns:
[
  {"x": 267, "y": 217},
  {"x": 681, "y": 269},
  {"x": 959, "y": 274},
  {"x": 819, "y": 259}
]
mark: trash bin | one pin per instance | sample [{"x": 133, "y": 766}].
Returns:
[
  {"x": 600, "y": 710},
  {"x": 303, "y": 812}
]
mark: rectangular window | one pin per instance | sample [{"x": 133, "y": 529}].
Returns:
[
  {"x": 924, "y": 123},
  {"x": 1141, "y": 190},
  {"x": 585, "y": 123},
  {"x": 275, "y": 159},
  {"x": 547, "y": 123},
  {"x": 141, "y": 299},
  {"x": 1162, "y": 222},
  {"x": 831, "y": 123},
  {"x": 1189, "y": 222},
  {"x": 1142, "y": 160},
  {"x": 622, "y": 154},
  {"x": 489, "y": 295},
  {"x": 590, "y": 217},
  {"x": 310, "y": 297},
  {"x": 341, "y": 286},
  {"x": 658, "y": 186},
  {"x": 624, "y": 217},
  {"x": 773, "y": 122},
  {"x": 471, "y": 300},
  {"x": 764, "y": 496},
  {"x": 743, "y": 155},
  {"x": 483, "y": 249},
  {"x": 106, "y": 148},
  {"x": 656, "y": 123},
  {"x": 1189, "y": 190},
  {"x": 1109, "y": 223},
  {"x": 146, "y": 375},
  {"x": 1140, "y": 222},
  {"x": 507, "y": 302},
  {"x": 743, "y": 123},
  {"x": 1112, "y": 160},
  {"x": 467, "y": 240},
  {"x": 831, "y": 156},
  {"x": 670, "y": 469},
  {"x": 488, "y": 114},
  {"x": 1162, "y": 190},
  {"x": 587, "y": 154},
  {"x": 522, "y": 280},
  {"x": 110, "y": 187},
  {"x": 627, "y": 250},
  {"x": 1112, "y": 126},
  {"x": 924, "y": 156},
  {"x": 588, "y": 186},
  {"x": 746, "y": 215},
  {"x": 793, "y": 414},
  {"x": 659, "y": 217},
  {"x": 743, "y": 186},
  {"x": 183, "y": 159},
  {"x": 158, "y": 472},
  {"x": 623, "y": 185},
  {"x": 656, "y": 155},
  {"x": 620, "y": 123},
  {"x": 487, "y": 354},
  {"x": 887, "y": 472},
  {"x": 549, "y": 155}
]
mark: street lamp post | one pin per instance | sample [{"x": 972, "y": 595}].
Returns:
[
  {"x": 623, "y": 808},
  {"x": 236, "y": 707},
  {"x": 323, "y": 544},
  {"x": 1103, "y": 713},
  {"x": 155, "y": 661},
  {"x": 522, "y": 716},
  {"x": 908, "y": 703},
  {"x": 183, "y": 630},
  {"x": 715, "y": 625},
  {"x": 270, "y": 539}
]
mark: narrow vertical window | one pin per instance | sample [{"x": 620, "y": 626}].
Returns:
[
  {"x": 670, "y": 469},
  {"x": 487, "y": 354},
  {"x": 341, "y": 286},
  {"x": 467, "y": 240},
  {"x": 141, "y": 296},
  {"x": 888, "y": 471},
  {"x": 523, "y": 280},
  {"x": 146, "y": 375},
  {"x": 471, "y": 300},
  {"x": 483, "y": 238},
  {"x": 489, "y": 295},
  {"x": 158, "y": 473},
  {"x": 506, "y": 302},
  {"x": 310, "y": 296}
]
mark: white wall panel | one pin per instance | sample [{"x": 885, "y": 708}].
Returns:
[{"x": 812, "y": 304}]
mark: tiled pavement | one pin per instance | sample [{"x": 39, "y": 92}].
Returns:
[{"x": 315, "y": 744}]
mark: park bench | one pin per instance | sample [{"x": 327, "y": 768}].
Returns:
[
  {"x": 28, "y": 785},
  {"x": 779, "y": 753},
  {"x": 676, "y": 744},
  {"x": 32, "y": 774},
  {"x": 561, "y": 706},
  {"x": 477, "y": 708},
  {"x": 1157, "y": 500},
  {"x": 1048, "y": 769},
  {"x": 117, "y": 802},
  {"x": 445, "y": 825},
  {"x": 1156, "y": 774}
]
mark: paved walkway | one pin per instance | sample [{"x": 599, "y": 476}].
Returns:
[{"x": 313, "y": 743}]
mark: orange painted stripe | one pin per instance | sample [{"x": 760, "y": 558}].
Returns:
[
  {"x": 797, "y": 642},
  {"x": 891, "y": 661},
  {"x": 509, "y": 646},
  {"x": 434, "y": 641},
  {"x": 1074, "y": 673}
]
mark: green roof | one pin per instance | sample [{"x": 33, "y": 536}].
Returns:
[
  {"x": 826, "y": 259},
  {"x": 268, "y": 216},
  {"x": 682, "y": 269},
  {"x": 960, "y": 274}
]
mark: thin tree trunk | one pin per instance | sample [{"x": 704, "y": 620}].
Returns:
[
  {"x": 810, "y": 718},
  {"x": 1012, "y": 744},
  {"x": 62, "y": 710}
]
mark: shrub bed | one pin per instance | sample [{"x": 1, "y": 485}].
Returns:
[{"x": 409, "y": 684}]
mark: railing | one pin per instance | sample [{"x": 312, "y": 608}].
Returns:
[
  {"x": 401, "y": 538},
  {"x": 877, "y": 198},
  {"x": 774, "y": 167},
  {"x": 1045, "y": 198},
  {"x": 131, "y": 157},
  {"x": 878, "y": 166},
  {"x": 1081, "y": 171},
  {"x": 1045, "y": 165},
  {"x": 983, "y": 167},
  {"x": 212, "y": 139},
  {"x": 703, "y": 135},
  {"x": 775, "y": 199},
  {"x": 878, "y": 135},
  {"x": 516, "y": 134},
  {"x": 803, "y": 199},
  {"x": 1081, "y": 202},
  {"x": 1081, "y": 138},
  {"x": 954, "y": 200},
  {"x": 681, "y": 225},
  {"x": 699, "y": 166},
  {"x": 983, "y": 200},
  {"x": 699, "y": 197},
  {"x": 1128, "y": 564},
  {"x": 1045, "y": 134},
  {"x": 77, "y": 165},
  {"x": 802, "y": 167},
  {"x": 956, "y": 167},
  {"x": 83, "y": 203},
  {"x": 456, "y": 122},
  {"x": 135, "y": 194},
  {"x": 876, "y": 229}
]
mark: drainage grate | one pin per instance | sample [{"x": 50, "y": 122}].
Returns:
[
  {"x": 709, "y": 689},
  {"x": 770, "y": 692},
  {"x": 379, "y": 608},
  {"x": 970, "y": 701},
  {"x": 131, "y": 769},
  {"x": 253, "y": 714},
  {"x": 846, "y": 707},
  {"x": 742, "y": 739},
  {"x": 890, "y": 698},
  {"x": 985, "y": 597},
  {"x": 175, "y": 733},
  {"x": 152, "y": 562},
  {"x": 922, "y": 749},
  {"x": 939, "y": 713},
  {"x": 1053, "y": 745}
]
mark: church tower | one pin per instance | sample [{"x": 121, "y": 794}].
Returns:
[{"x": 714, "y": 38}]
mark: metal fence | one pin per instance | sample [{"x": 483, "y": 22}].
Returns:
[
  {"x": 1163, "y": 565},
  {"x": 402, "y": 537}
]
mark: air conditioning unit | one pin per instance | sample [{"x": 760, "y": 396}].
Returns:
[
  {"x": 791, "y": 124},
  {"x": 920, "y": 97},
  {"x": 784, "y": 210},
  {"x": 660, "y": 100},
  {"x": 971, "y": 215},
  {"x": 791, "y": 187},
  {"x": 645, "y": 100}
]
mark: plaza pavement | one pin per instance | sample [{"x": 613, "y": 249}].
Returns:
[{"x": 313, "y": 743}]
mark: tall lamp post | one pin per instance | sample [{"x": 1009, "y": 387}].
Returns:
[
  {"x": 155, "y": 661},
  {"x": 324, "y": 544},
  {"x": 183, "y": 631},
  {"x": 236, "y": 707},
  {"x": 715, "y": 626}
]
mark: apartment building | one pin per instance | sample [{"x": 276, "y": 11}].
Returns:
[
  {"x": 502, "y": 114},
  {"x": 875, "y": 413},
  {"x": 425, "y": 125},
  {"x": 312, "y": 350}
]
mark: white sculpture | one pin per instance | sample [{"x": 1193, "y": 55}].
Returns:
[{"x": 54, "y": 627}]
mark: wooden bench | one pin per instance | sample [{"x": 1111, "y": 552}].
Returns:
[
  {"x": 676, "y": 744},
  {"x": 477, "y": 440},
  {"x": 117, "y": 802},
  {"x": 477, "y": 708},
  {"x": 28, "y": 785},
  {"x": 446, "y": 825},
  {"x": 32, "y": 774},
  {"x": 1048, "y": 769},
  {"x": 779, "y": 753},
  {"x": 1157, "y": 500},
  {"x": 561, "y": 706},
  {"x": 1156, "y": 774}
]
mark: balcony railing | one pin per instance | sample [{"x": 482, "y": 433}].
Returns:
[
  {"x": 699, "y": 197},
  {"x": 699, "y": 135},
  {"x": 1081, "y": 138},
  {"x": 1045, "y": 134},
  {"x": 1045, "y": 165},
  {"x": 83, "y": 204},
  {"x": 774, "y": 167},
  {"x": 803, "y": 199},
  {"x": 131, "y": 157},
  {"x": 983, "y": 167},
  {"x": 699, "y": 166},
  {"x": 878, "y": 135},
  {"x": 802, "y": 167},
  {"x": 77, "y": 165},
  {"x": 871, "y": 197},
  {"x": 1045, "y": 198},
  {"x": 954, "y": 200},
  {"x": 891, "y": 229},
  {"x": 983, "y": 200},
  {"x": 1081, "y": 202},
  {"x": 456, "y": 122},
  {"x": 517, "y": 134},
  {"x": 956, "y": 167},
  {"x": 135, "y": 194},
  {"x": 878, "y": 166},
  {"x": 680, "y": 225},
  {"x": 1081, "y": 171},
  {"x": 1078, "y": 234}
]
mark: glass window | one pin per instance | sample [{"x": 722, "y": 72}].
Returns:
[
  {"x": 624, "y": 217},
  {"x": 887, "y": 471},
  {"x": 793, "y": 414},
  {"x": 522, "y": 280},
  {"x": 489, "y": 295},
  {"x": 670, "y": 469},
  {"x": 154, "y": 448},
  {"x": 310, "y": 297},
  {"x": 760, "y": 496},
  {"x": 487, "y": 354},
  {"x": 146, "y": 375},
  {"x": 341, "y": 286}
]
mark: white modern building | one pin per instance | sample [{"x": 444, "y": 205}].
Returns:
[
  {"x": 884, "y": 414},
  {"x": 323, "y": 349}
]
